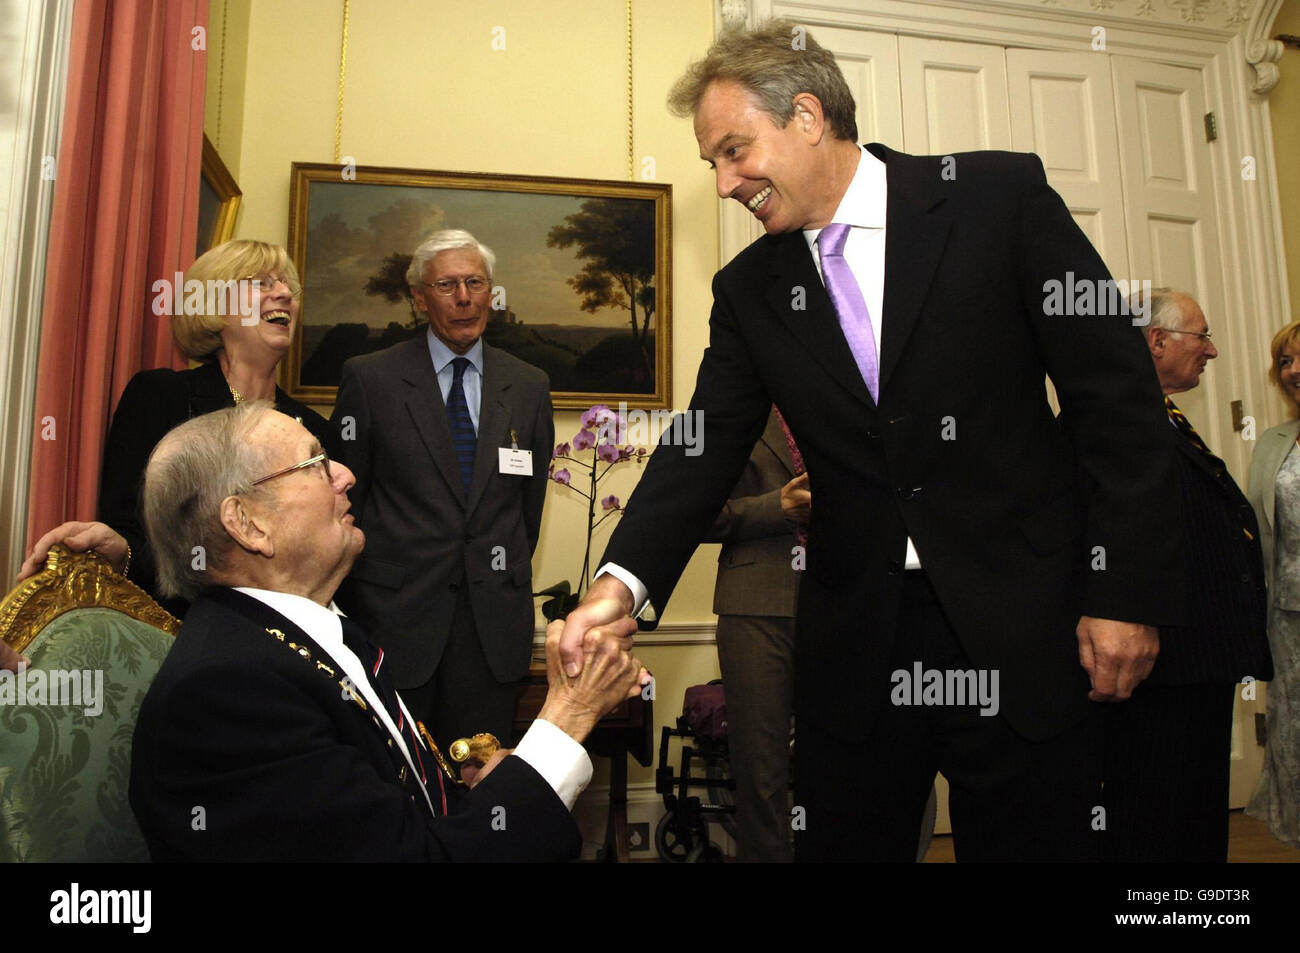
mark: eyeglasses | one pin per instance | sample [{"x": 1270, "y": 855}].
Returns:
[
  {"x": 267, "y": 281},
  {"x": 474, "y": 284},
  {"x": 1203, "y": 335},
  {"x": 320, "y": 457}
]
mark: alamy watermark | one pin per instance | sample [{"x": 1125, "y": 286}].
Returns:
[
  {"x": 57, "y": 688},
  {"x": 1089, "y": 297},
  {"x": 645, "y": 427},
  {"x": 953, "y": 687},
  {"x": 226, "y": 298}
]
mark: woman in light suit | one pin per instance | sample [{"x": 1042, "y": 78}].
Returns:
[{"x": 1275, "y": 494}]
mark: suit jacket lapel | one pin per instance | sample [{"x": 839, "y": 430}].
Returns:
[
  {"x": 774, "y": 439},
  {"x": 916, "y": 227},
  {"x": 816, "y": 325},
  {"x": 428, "y": 412},
  {"x": 493, "y": 424}
]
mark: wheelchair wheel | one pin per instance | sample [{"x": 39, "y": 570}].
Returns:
[{"x": 670, "y": 842}]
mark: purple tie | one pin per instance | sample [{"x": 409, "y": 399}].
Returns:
[{"x": 855, "y": 320}]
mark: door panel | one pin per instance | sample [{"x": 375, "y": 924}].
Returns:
[
  {"x": 954, "y": 96},
  {"x": 1063, "y": 108}
]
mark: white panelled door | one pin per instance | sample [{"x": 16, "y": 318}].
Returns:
[
  {"x": 954, "y": 96},
  {"x": 869, "y": 62},
  {"x": 1062, "y": 108},
  {"x": 1172, "y": 222}
]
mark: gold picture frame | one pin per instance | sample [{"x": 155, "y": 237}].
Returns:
[
  {"x": 582, "y": 286},
  {"x": 219, "y": 197}
]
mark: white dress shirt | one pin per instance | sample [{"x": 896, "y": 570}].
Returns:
[
  {"x": 561, "y": 761},
  {"x": 472, "y": 382},
  {"x": 864, "y": 208}
]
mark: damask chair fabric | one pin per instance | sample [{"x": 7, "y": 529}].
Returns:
[{"x": 95, "y": 642}]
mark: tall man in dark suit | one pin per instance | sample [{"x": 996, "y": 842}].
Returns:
[
  {"x": 449, "y": 440},
  {"x": 900, "y": 313},
  {"x": 1167, "y": 750},
  {"x": 272, "y": 731}
]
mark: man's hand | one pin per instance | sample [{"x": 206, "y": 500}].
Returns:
[
  {"x": 609, "y": 604},
  {"x": 472, "y": 772},
  {"x": 609, "y": 675},
  {"x": 796, "y": 499},
  {"x": 1116, "y": 655},
  {"x": 9, "y": 659},
  {"x": 78, "y": 537}
]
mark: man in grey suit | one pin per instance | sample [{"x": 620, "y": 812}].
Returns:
[
  {"x": 449, "y": 439},
  {"x": 754, "y": 599}
]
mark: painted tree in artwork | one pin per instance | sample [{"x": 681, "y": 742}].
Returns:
[
  {"x": 389, "y": 282},
  {"x": 615, "y": 240}
]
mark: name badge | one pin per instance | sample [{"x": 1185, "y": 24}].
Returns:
[{"x": 513, "y": 462}]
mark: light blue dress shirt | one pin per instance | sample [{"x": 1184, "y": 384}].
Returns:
[{"x": 472, "y": 382}]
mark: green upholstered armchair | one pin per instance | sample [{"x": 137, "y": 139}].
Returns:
[{"x": 95, "y": 641}]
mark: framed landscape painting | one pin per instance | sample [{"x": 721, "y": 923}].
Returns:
[
  {"x": 582, "y": 285},
  {"x": 218, "y": 201}
]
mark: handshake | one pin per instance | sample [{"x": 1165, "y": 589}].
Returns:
[{"x": 600, "y": 673}]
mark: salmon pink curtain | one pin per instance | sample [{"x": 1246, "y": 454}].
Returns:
[{"x": 125, "y": 214}]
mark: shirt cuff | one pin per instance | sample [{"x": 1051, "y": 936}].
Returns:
[
  {"x": 561, "y": 761},
  {"x": 640, "y": 594}
]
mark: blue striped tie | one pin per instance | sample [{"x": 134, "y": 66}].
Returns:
[{"x": 462, "y": 427}]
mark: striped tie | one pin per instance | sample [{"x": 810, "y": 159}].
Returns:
[
  {"x": 1187, "y": 430},
  {"x": 1185, "y": 427},
  {"x": 462, "y": 427},
  {"x": 372, "y": 660}
]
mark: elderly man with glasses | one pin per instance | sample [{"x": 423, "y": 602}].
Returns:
[
  {"x": 1168, "y": 750},
  {"x": 272, "y": 731},
  {"x": 449, "y": 439}
]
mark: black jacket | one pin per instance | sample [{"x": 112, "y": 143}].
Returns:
[
  {"x": 285, "y": 767},
  {"x": 1007, "y": 504},
  {"x": 1226, "y": 637}
]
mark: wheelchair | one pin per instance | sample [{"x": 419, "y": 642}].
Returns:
[{"x": 683, "y": 833}]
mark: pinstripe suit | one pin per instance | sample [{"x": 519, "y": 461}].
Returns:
[{"x": 1167, "y": 748}]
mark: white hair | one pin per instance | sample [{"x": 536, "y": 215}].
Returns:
[{"x": 441, "y": 241}]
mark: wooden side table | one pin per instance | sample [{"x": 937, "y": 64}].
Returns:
[{"x": 627, "y": 730}]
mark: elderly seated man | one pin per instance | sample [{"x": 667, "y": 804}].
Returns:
[{"x": 271, "y": 731}]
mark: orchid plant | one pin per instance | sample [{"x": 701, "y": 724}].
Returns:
[{"x": 592, "y": 453}]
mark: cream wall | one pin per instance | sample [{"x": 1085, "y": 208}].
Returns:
[
  {"x": 426, "y": 90},
  {"x": 223, "y": 108},
  {"x": 1284, "y": 110}
]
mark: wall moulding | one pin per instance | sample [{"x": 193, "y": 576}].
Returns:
[
  {"x": 1220, "y": 16},
  {"x": 1186, "y": 30}
]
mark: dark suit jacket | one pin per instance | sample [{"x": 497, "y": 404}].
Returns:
[
  {"x": 286, "y": 768},
  {"x": 1008, "y": 515},
  {"x": 153, "y": 403},
  {"x": 756, "y": 575},
  {"x": 422, "y": 535},
  {"x": 1227, "y": 635}
]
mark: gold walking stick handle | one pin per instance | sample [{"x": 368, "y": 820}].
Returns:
[{"x": 481, "y": 748}]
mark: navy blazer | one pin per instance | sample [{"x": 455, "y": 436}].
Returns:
[
  {"x": 1226, "y": 637},
  {"x": 245, "y": 750}
]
